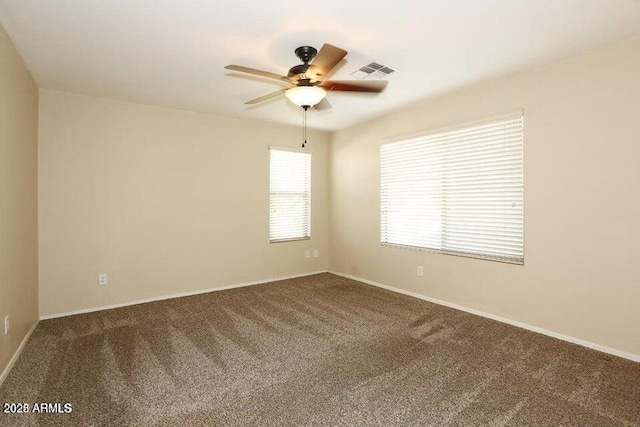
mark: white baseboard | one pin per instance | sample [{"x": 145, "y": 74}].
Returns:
[
  {"x": 14, "y": 358},
  {"x": 178, "y": 295},
  {"x": 594, "y": 346}
]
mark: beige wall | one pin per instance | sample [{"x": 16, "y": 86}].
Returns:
[
  {"x": 163, "y": 201},
  {"x": 582, "y": 201},
  {"x": 18, "y": 199}
]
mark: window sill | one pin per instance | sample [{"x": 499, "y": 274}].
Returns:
[
  {"x": 512, "y": 261},
  {"x": 290, "y": 240}
]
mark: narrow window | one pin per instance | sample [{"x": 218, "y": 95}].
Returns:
[{"x": 290, "y": 200}]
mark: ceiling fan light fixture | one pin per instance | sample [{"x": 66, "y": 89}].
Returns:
[{"x": 306, "y": 96}]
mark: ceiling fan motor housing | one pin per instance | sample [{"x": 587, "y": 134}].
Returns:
[{"x": 298, "y": 69}]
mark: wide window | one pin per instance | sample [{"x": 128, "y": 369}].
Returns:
[
  {"x": 290, "y": 205},
  {"x": 458, "y": 192}
]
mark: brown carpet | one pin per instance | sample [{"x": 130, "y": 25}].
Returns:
[{"x": 319, "y": 350}]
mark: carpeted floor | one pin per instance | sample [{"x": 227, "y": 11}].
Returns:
[{"x": 318, "y": 350}]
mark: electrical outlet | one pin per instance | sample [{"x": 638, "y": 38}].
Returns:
[
  {"x": 6, "y": 324},
  {"x": 315, "y": 253},
  {"x": 102, "y": 279},
  {"x": 307, "y": 254},
  {"x": 420, "y": 271}
]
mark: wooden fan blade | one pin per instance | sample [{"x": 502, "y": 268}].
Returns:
[
  {"x": 255, "y": 72},
  {"x": 323, "y": 105},
  {"x": 266, "y": 97},
  {"x": 325, "y": 60},
  {"x": 354, "y": 86}
]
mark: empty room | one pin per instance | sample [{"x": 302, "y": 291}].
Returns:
[{"x": 223, "y": 213}]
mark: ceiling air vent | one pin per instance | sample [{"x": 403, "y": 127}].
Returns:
[{"x": 374, "y": 70}]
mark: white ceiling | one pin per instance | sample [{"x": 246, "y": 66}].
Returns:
[{"x": 172, "y": 52}]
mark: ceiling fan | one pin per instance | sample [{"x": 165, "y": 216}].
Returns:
[{"x": 306, "y": 84}]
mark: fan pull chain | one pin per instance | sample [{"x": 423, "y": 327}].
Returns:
[{"x": 304, "y": 126}]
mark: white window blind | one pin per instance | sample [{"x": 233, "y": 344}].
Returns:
[
  {"x": 458, "y": 192},
  {"x": 290, "y": 206}
]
